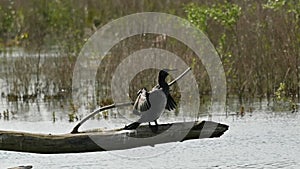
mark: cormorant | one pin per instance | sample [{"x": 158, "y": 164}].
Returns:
[{"x": 150, "y": 105}]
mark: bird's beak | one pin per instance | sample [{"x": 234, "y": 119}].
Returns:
[{"x": 170, "y": 70}]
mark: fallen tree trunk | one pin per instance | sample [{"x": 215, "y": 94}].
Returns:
[{"x": 99, "y": 140}]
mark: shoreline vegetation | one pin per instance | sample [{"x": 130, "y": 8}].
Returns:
[{"x": 257, "y": 41}]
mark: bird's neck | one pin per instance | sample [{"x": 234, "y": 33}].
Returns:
[{"x": 163, "y": 84}]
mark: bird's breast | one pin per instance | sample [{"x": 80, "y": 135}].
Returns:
[{"x": 158, "y": 100}]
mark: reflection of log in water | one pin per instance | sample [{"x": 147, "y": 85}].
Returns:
[{"x": 83, "y": 142}]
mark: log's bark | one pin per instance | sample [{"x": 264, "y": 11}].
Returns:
[{"x": 98, "y": 140}]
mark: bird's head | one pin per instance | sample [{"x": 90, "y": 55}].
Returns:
[{"x": 164, "y": 73}]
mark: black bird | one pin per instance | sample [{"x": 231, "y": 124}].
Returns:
[{"x": 150, "y": 105}]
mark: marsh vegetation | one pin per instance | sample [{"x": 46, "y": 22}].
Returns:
[{"x": 257, "y": 41}]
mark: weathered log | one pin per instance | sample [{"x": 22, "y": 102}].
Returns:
[
  {"x": 22, "y": 167},
  {"x": 99, "y": 140}
]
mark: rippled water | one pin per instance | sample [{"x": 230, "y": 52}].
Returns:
[{"x": 262, "y": 140}]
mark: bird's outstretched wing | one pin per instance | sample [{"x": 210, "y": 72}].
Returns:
[
  {"x": 171, "y": 104},
  {"x": 142, "y": 101}
]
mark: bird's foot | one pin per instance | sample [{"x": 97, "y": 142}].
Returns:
[{"x": 132, "y": 126}]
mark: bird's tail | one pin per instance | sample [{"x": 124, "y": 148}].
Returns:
[{"x": 132, "y": 126}]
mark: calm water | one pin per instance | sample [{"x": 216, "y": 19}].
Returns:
[{"x": 261, "y": 140}]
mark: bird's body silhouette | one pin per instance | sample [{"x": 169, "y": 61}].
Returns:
[{"x": 150, "y": 105}]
